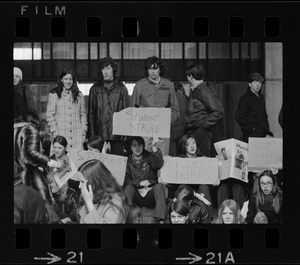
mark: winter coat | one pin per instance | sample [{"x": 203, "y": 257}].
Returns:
[
  {"x": 103, "y": 213},
  {"x": 252, "y": 116},
  {"x": 162, "y": 95},
  {"x": 28, "y": 156},
  {"x": 67, "y": 207},
  {"x": 29, "y": 207},
  {"x": 26, "y": 94},
  {"x": 19, "y": 104},
  {"x": 267, "y": 208},
  {"x": 203, "y": 109},
  {"x": 67, "y": 118},
  {"x": 198, "y": 212},
  {"x": 145, "y": 170},
  {"x": 179, "y": 123},
  {"x": 103, "y": 103}
]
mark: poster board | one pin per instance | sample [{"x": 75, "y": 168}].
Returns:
[
  {"x": 145, "y": 122},
  {"x": 63, "y": 174},
  {"x": 115, "y": 164},
  {"x": 265, "y": 153},
  {"x": 200, "y": 170}
]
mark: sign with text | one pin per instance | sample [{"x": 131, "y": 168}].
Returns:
[
  {"x": 200, "y": 170},
  {"x": 233, "y": 155},
  {"x": 67, "y": 171},
  {"x": 265, "y": 153},
  {"x": 115, "y": 164},
  {"x": 145, "y": 122}
]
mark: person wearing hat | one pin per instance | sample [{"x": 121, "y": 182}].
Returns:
[
  {"x": 26, "y": 100},
  {"x": 155, "y": 91},
  {"x": 251, "y": 112},
  {"x": 265, "y": 203}
]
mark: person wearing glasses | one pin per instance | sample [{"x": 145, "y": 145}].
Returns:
[{"x": 265, "y": 204}]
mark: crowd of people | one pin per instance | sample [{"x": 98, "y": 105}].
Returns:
[{"x": 95, "y": 196}]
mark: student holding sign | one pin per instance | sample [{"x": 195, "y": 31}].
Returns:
[
  {"x": 188, "y": 148},
  {"x": 157, "y": 92},
  {"x": 141, "y": 182}
]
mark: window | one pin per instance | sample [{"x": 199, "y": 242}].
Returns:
[
  {"x": 93, "y": 50},
  {"x": 190, "y": 50},
  {"x": 22, "y": 51},
  {"x": 218, "y": 50},
  {"x": 171, "y": 50},
  {"x": 82, "y": 50},
  {"x": 115, "y": 50},
  {"x": 202, "y": 50},
  {"x": 63, "y": 50},
  {"x": 140, "y": 50}
]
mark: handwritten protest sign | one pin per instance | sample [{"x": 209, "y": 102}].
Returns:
[
  {"x": 115, "y": 164},
  {"x": 201, "y": 170},
  {"x": 67, "y": 171},
  {"x": 233, "y": 155},
  {"x": 144, "y": 122},
  {"x": 265, "y": 153}
]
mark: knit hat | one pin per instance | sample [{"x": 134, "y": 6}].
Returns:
[{"x": 18, "y": 71}]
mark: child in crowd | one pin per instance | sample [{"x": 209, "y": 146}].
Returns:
[
  {"x": 179, "y": 212},
  {"x": 265, "y": 204},
  {"x": 229, "y": 213},
  {"x": 198, "y": 210},
  {"x": 141, "y": 182},
  {"x": 102, "y": 200}
]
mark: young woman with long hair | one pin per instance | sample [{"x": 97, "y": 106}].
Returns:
[
  {"x": 66, "y": 110},
  {"x": 229, "y": 213},
  {"x": 265, "y": 204},
  {"x": 101, "y": 200}
]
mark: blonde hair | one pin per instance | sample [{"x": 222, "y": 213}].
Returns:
[{"x": 234, "y": 207}]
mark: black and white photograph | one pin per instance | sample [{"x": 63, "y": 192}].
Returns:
[{"x": 115, "y": 131}]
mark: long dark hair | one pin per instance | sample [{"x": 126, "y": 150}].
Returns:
[
  {"x": 104, "y": 185},
  {"x": 59, "y": 88},
  {"x": 276, "y": 192}
]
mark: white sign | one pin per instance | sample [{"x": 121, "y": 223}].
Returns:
[
  {"x": 265, "y": 153},
  {"x": 233, "y": 155},
  {"x": 200, "y": 170},
  {"x": 63, "y": 174},
  {"x": 145, "y": 122},
  {"x": 115, "y": 164}
]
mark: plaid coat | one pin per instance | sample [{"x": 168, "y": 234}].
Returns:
[{"x": 67, "y": 118}]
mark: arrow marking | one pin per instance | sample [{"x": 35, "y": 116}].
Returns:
[
  {"x": 194, "y": 259},
  {"x": 52, "y": 259}
]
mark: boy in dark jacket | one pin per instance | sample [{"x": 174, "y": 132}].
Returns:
[
  {"x": 251, "y": 113},
  {"x": 141, "y": 181}
]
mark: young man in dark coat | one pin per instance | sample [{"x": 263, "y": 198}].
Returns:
[
  {"x": 204, "y": 109},
  {"x": 107, "y": 96},
  {"x": 251, "y": 112}
]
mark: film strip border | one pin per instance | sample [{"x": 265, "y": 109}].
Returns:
[
  {"x": 150, "y": 244},
  {"x": 130, "y": 21},
  {"x": 165, "y": 244}
]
